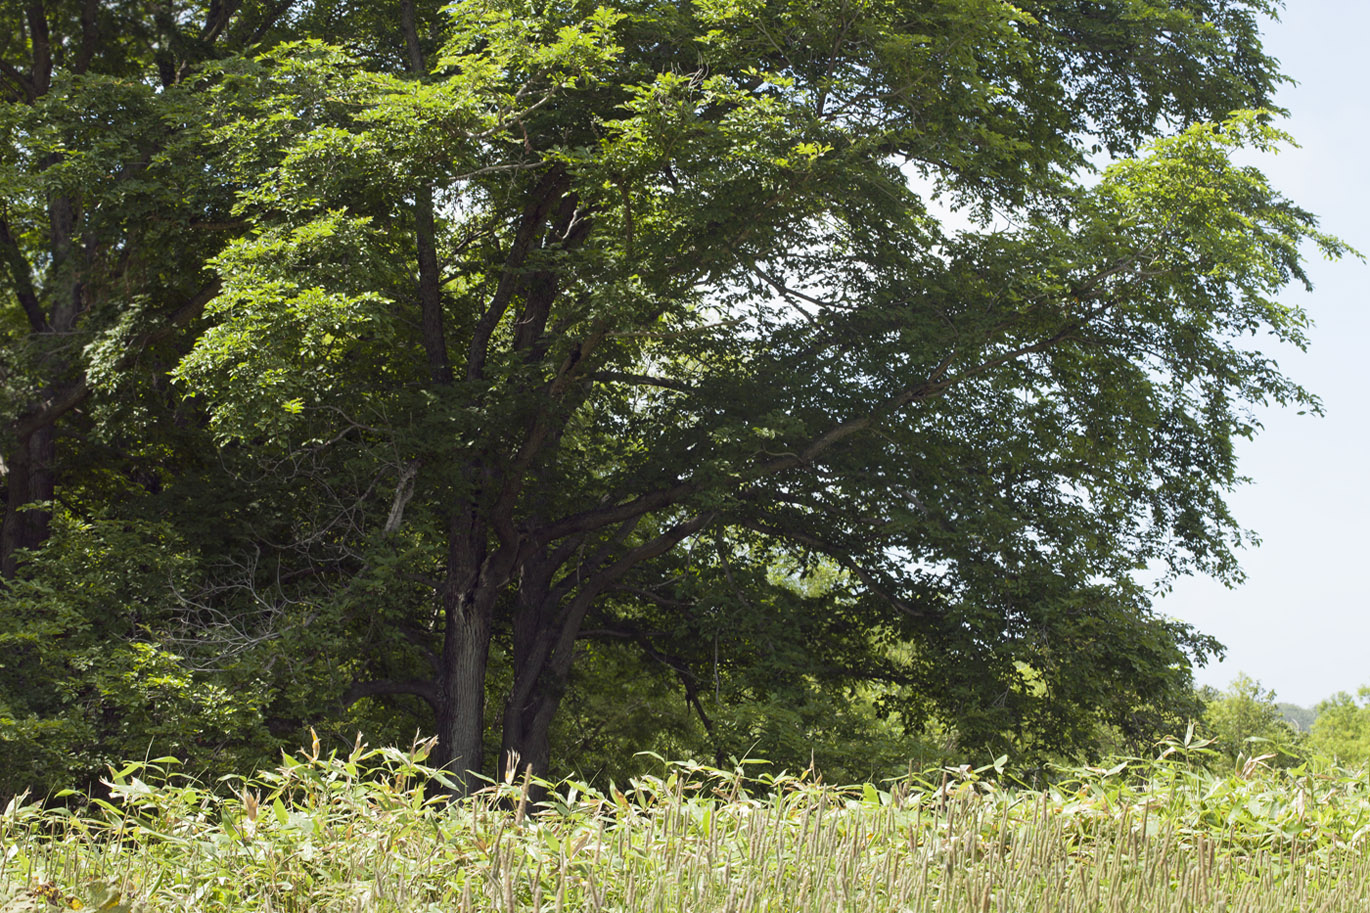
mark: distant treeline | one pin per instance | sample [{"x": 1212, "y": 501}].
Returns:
[{"x": 1246, "y": 722}]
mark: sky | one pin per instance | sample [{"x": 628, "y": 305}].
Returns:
[{"x": 1300, "y": 624}]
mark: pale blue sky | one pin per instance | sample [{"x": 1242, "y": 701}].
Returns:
[{"x": 1301, "y": 622}]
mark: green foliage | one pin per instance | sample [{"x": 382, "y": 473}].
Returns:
[
  {"x": 1245, "y": 723},
  {"x": 1342, "y": 727},
  {"x": 87, "y": 677}
]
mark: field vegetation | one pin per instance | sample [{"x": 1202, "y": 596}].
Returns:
[{"x": 357, "y": 831}]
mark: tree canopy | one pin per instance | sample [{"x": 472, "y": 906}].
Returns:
[{"x": 429, "y": 351}]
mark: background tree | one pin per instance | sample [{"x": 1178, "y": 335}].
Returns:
[
  {"x": 1301, "y": 718},
  {"x": 1342, "y": 728},
  {"x": 135, "y": 608},
  {"x": 1246, "y": 724},
  {"x": 110, "y": 201},
  {"x": 109, "y": 211}
]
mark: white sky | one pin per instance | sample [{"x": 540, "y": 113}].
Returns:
[{"x": 1301, "y": 622}]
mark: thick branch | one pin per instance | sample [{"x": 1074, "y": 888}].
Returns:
[
  {"x": 90, "y": 35},
  {"x": 268, "y": 21},
  {"x": 430, "y": 289},
  {"x": 22, "y": 278},
  {"x": 558, "y": 653},
  {"x": 655, "y": 598},
  {"x": 544, "y": 196},
  {"x": 569, "y": 229},
  {"x": 588, "y": 520},
  {"x": 219, "y": 15},
  {"x": 41, "y": 78},
  {"x": 425, "y": 236},
  {"x": 935, "y": 384},
  {"x": 570, "y": 580},
  {"x": 416, "y": 686},
  {"x": 409, "y": 25}
]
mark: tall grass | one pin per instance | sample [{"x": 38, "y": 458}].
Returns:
[{"x": 357, "y": 833}]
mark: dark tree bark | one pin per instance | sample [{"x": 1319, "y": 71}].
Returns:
[
  {"x": 29, "y": 481},
  {"x": 461, "y": 692}
]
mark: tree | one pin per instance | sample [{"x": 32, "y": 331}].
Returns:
[
  {"x": 106, "y": 219},
  {"x": 1342, "y": 727},
  {"x": 1246, "y": 724},
  {"x": 676, "y": 283},
  {"x": 547, "y": 315}
]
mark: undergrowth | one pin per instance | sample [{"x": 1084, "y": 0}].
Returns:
[{"x": 359, "y": 832}]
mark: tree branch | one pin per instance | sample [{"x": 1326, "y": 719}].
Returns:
[
  {"x": 68, "y": 397},
  {"x": 645, "y": 380},
  {"x": 23, "y": 87},
  {"x": 841, "y": 557},
  {"x": 937, "y": 382},
  {"x": 23, "y": 279},
  {"x": 415, "y": 686},
  {"x": 678, "y": 666},
  {"x": 41, "y": 78},
  {"x": 409, "y": 26},
  {"x": 557, "y": 654},
  {"x": 90, "y": 35},
  {"x": 544, "y": 195}
]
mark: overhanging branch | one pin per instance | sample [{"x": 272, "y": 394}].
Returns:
[{"x": 415, "y": 686}]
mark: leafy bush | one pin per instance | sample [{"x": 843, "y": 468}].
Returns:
[{"x": 85, "y": 678}]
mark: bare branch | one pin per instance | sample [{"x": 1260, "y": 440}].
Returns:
[{"x": 404, "y": 490}]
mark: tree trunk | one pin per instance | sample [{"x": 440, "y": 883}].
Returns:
[
  {"x": 526, "y": 739},
  {"x": 537, "y": 692},
  {"x": 461, "y": 692},
  {"x": 30, "y": 479}
]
